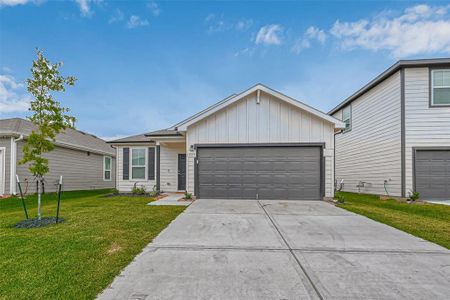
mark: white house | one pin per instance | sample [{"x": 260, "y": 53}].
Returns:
[
  {"x": 258, "y": 144},
  {"x": 397, "y": 136}
]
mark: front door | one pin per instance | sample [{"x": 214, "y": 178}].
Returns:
[{"x": 182, "y": 172}]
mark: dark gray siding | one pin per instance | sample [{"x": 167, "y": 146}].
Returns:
[
  {"x": 80, "y": 170},
  {"x": 6, "y": 143}
]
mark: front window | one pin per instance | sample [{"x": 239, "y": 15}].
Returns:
[
  {"x": 107, "y": 167},
  {"x": 440, "y": 91},
  {"x": 138, "y": 163},
  {"x": 347, "y": 117}
]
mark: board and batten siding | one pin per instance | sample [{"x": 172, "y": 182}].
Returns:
[
  {"x": 371, "y": 150},
  {"x": 80, "y": 171},
  {"x": 169, "y": 165},
  {"x": 127, "y": 185},
  {"x": 270, "y": 121},
  {"x": 425, "y": 126},
  {"x": 6, "y": 143}
]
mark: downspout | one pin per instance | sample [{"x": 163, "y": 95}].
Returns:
[{"x": 13, "y": 167}]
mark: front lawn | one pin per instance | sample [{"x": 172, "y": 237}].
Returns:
[
  {"x": 428, "y": 221},
  {"x": 76, "y": 259}
]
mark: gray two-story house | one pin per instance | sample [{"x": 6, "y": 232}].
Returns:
[{"x": 397, "y": 135}]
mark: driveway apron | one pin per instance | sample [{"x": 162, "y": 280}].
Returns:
[{"x": 249, "y": 249}]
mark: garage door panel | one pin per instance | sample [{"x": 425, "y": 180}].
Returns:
[
  {"x": 432, "y": 174},
  {"x": 260, "y": 172}
]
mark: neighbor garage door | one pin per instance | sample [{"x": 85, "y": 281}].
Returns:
[
  {"x": 269, "y": 172},
  {"x": 432, "y": 174}
]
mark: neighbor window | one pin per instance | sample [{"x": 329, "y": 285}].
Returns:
[
  {"x": 138, "y": 163},
  {"x": 347, "y": 117},
  {"x": 107, "y": 167},
  {"x": 440, "y": 91}
]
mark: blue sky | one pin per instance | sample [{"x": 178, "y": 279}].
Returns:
[{"x": 145, "y": 65}]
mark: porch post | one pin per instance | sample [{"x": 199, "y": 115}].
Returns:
[{"x": 158, "y": 166}]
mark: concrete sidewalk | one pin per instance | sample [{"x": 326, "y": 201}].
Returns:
[{"x": 248, "y": 249}]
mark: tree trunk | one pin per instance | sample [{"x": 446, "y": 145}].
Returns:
[{"x": 39, "y": 197}]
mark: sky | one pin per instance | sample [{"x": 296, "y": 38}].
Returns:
[{"x": 146, "y": 65}]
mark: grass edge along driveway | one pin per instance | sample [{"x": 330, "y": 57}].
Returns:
[
  {"x": 80, "y": 257},
  {"x": 425, "y": 220}
]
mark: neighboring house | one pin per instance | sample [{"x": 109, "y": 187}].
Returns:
[
  {"x": 259, "y": 144},
  {"x": 397, "y": 136},
  {"x": 85, "y": 161}
]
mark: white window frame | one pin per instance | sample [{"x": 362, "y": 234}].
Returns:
[
  {"x": 104, "y": 168},
  {"x": 349, "y": 118},
  {"x": 432, "y": 87},
  {"x": 145, "y": 163}
]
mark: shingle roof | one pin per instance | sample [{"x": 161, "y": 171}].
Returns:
[
  {"x": 70, "y": 138},
  {"x": 163, "y": 132},
  {"x": 388, "y": 72},
  {"x": 146, "y": 137},
  {"x": 139, "y": 138}
]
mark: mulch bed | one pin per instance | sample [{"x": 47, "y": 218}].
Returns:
[{"x": 34, "y": 223}]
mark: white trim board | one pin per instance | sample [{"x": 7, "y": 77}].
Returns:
[
  {"x": 257, "y": 88},
  {"x": 2, "y": 170}
]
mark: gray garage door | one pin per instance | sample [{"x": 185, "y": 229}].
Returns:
[
  {"x": 259, "y": 173},
  {"x": 433, "y": 174}
]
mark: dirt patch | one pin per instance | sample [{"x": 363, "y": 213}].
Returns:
[{"x": 114, "y": 248}]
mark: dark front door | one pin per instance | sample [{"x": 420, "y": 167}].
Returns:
[{"x": 181, "y": 172}]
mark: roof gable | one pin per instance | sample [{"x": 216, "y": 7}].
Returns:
[{"x": 182, "y": 126}]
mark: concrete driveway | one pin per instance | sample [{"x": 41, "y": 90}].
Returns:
[{"x": 248, "y": 249}]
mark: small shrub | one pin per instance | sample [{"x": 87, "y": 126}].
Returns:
[
  {"x": 187, "y": 195},
  {"x": 138, "y": 190},
  {"x": 414, "y": 196},
  {"x": 340, "y": 199},
  {"x": 154, "y": 192},
  {"x": 115, "y": 191}
]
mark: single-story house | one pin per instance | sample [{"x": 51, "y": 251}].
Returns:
[
  {"x": 258, "y": 144},
  {"x": 397, "y": 135},
  {"x": 85, "y": 161}
]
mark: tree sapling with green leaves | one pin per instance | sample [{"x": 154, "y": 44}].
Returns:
[{"x": 48, "y": 116}]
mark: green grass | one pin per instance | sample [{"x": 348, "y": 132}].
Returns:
[
  {"x": 76, "y": 259},
  {"x": 428, "y": 221}
]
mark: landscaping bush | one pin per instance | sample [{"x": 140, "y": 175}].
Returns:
[{"x": 138, "y": 190}]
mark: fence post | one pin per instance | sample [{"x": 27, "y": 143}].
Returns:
[
  {"x": 59, "y": 198},
  {"x": 21, "y": 196}
]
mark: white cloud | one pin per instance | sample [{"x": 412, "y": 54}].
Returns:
[
  {"x": 314, "y": 33},
  {"x": 13, "y": 2},
  {"x": 304, "y": 42},
  {"x": 117, "y": 17},
  {"x": 217, "y": 23},
  {"x": 136, "y": 21},
  {"x": 300, "y": 44},
  {"x": 269, "y": 35},
  {"x": 420, "y": 29},
  {"x": 85, "y": 7},
  {"x": 244, "y": 24},
  {"x": 12, "y": 95},
  {"x": 154, "y": 8}
]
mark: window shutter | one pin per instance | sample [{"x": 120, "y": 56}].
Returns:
[
  {"x": 151, "y": 163},
  {"x": 126, "y": 164}
]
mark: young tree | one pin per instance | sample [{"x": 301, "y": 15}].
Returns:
[{"x": 48, "y": 116}]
